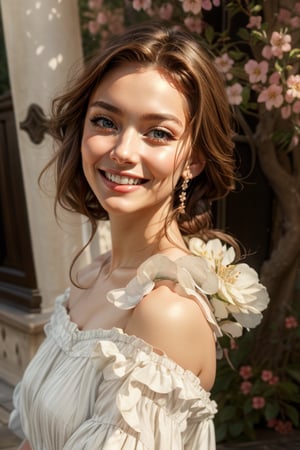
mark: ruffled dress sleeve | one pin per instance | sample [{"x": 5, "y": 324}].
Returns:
[
  {"x": 106, "y": 390},
  {"x": 159, "y": 405},
  {"x": 14, "y": 419}
]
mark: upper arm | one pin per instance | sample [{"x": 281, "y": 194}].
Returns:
[
  {"x": 25, "y": 446},
  {"x": 176, "y": 326}
]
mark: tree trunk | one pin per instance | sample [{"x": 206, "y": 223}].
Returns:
[{"x": 279, "y": 272}]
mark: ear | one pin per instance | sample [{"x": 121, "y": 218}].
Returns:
[{"x": 196, "y": 167}]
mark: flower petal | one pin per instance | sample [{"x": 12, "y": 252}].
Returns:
[{"x": 232, "y": 329}]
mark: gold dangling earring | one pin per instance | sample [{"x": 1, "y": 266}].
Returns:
[{"x": 182, "y": 195}]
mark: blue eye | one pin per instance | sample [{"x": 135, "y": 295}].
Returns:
[
  {"x": 160, "y": 135},
  {"x": 103, "y": 122}
]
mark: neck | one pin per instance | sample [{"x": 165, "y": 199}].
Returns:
[{"x": 134, "y": 239}]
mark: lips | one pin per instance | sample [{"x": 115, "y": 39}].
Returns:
[{"x": 123, "y": 179}]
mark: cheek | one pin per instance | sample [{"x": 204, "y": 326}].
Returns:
[
  {"x": 91, "y": 149},
  {"x": 166, "y": 164}
]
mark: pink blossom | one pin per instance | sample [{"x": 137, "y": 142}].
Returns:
[
  {"x": 267, "y": 52},
  {"x": 95, "y": 4},
  {"x": 93, "y": 27},
  {"x": 166, "y": 11},
  {"x": 274, "y": 78},
  {"x": 234, "y": 94},
  {"x": 286, "y": 111},
  {"x": 283, "y": 427},
  {"x": 266, "y": 375},
  {"x": 296, "y": 107},
  {"x": 280, "y": 43},
  {"x": 288, "y": 97},
  {"x": 246, "y": 372},
  {"x": 271, "y": 96},
  {"x": 101, "y": 18},
  {"x": 115, "y": 21},
  {"x": 246, "y": 387},
  {"x": 256, "y": 71},
  {"x": 224, "y": 63},
  {"x": 274, "y": 380},
  {"x": 193, "y": 6},
  {"x": 295, "y": 22},
  {"x": 254, "y": 22},
  {"x": 258, "y": 402},
  {"x": 284, "y": 16},
  {"x": 194, "y": 24},
  {"x": 293, "y": 83},
  {"x": 291, "y": 322},
  {"x": 206, "y": 5},
  {"x": 138, "y": 5}
]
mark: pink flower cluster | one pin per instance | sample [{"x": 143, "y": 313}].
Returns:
[
  {"x": 105, "y": 21},
  {"x": 246, "y": 372},
  {"x": 258, "y": 402},
  {"x": 286, "y": 17},
  {"x": 281, "y": 426},
  {"x": 195, "y": 6},
  {"x": 291, "y": 322},
  {"x": 271, "y": 90},
  {"x": 272, "y": 79},
  {"x": 271, "y": 75},
  {"x": 138, "y": 5},
  {"x": 269, "y": 377}
]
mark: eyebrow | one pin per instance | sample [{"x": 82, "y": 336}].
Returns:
[{"x": 150, "y": 116}]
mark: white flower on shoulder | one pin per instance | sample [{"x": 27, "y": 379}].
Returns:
[{"x": 240, "y": 297}]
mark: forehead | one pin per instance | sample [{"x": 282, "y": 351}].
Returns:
[{"x": 148, "y": 81}]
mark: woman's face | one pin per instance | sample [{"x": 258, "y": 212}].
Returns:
[{"x": 133, "y": 151}]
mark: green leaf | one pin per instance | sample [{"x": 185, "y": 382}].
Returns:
[
  {"x": 236, "y": 428},
  {"x": 271, "y": 410},
  {"x": 209, "y": 33},
  {"x": 247, "y": 408},
  {"x": 288, "y": 388},
  {"x": 292, "y": 413},
  {"x": 224, "y": 380},
  {"x": 227, "y": 413},
  {"x": 278, "y": 66},
  {"x": 244, "y": 34},
  {"x": 246, "y": 95},
  {"x": 258, "y": 35},
  {"x": 236, "y": 54},
  {"x": 221, "y": 432},
  {"x": 256, "y": 9},
  {"x": 294, "y": 52},
  {"x": 295, "y": 374}
]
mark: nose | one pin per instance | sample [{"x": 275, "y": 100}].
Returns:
[{"x": 126, "y": 147}]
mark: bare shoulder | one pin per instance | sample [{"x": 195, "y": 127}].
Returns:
[{"x": 176, "y": 325}]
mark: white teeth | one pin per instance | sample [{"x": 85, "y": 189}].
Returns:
[{"x": 122, "y": 180}]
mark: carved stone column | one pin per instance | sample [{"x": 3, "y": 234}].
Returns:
[{"x": 43, "y": 43}]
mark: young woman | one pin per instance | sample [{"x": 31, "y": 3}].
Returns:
[{"x": 144, "y": 139}]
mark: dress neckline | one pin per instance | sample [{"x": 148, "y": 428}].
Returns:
[{"x": 131, "y": 344}]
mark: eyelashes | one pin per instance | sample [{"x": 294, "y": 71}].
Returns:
[
  {"x": 156, "y": 134},
  {"x": 103, "y": 122},
  {"x": 160, "y": 135}
]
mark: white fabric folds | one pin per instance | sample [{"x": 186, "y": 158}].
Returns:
[{"x": 103, "y": 389}]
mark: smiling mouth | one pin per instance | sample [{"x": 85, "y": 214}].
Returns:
[{"x": 118, "y": 179}]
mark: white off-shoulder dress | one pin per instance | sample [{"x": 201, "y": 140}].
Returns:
[{"x": 104, "y": 389}]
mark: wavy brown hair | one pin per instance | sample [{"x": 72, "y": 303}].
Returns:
[{"x": 190, "y": 68}]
